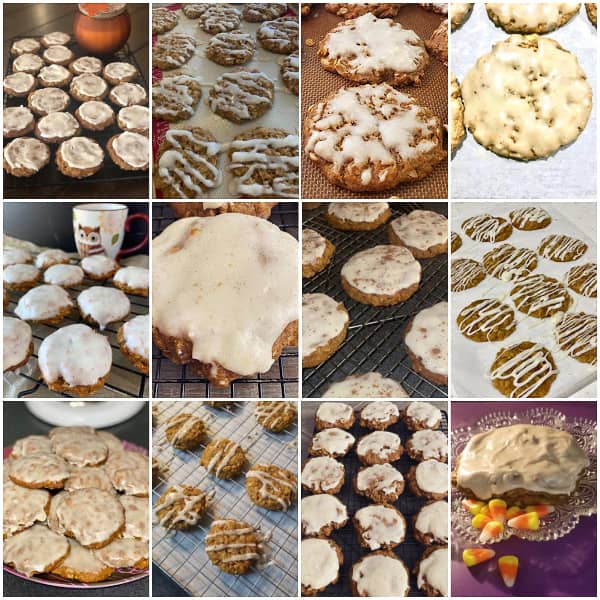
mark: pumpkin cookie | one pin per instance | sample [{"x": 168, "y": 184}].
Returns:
[
  {"x": 193, "y": 11},
  {"x": 16, "y": 256},
  {"x": 134, "y": 118},
  {"x": 380, "y": 483},
  {"x": 173, "y": 50},
  {"x": 83, "y": 451},
  {"x": 321, "y": 559},
  {"x": 223, "y": 458},
  {"x": 99, "y": 267},
  {"x": 82, "y": 564},
  {"x": 540, "y": 296},
  {"x": 132, "y": 280},
  {"x": 47, "y": 304},
  {"x": 486, "y": 228},
  {"x": 271, "y": 487},
  {"x": 379, "y": 526},
  {"x": 333, "y": 441},
  {"x": 55, "y": 38},
  {"x": 423, "y": 232},
  {"x": 47, "y": 100},
  {"x": 420, "y": 415},
  {"x": 25, "y": 46},
  {"x": 128, "y": 472},
  {"x": 255, "y": 13},
  {"x": 100, "y": 306},
  {"x": 379, "y": 447},
  {"x": 134, "y": 341},
  {"x": 290, "y": 72},
  {"x": 334, "y": 414},
  {"x": 22, "y": 507},
  {"x": 323, "y": 475},
  {"x": 366, "y": 385},
  {"x": 58, "y": 55},
  {"x": 181, "y": 507},
  {"x": 17, "y": 121},
  {"x": 219, "y": 17},
  {"x": 280, "y": 35},
  {"x": 378, "y": 573},
  {"x": 465, "y": 273},
  {"x": 185, "y": 431},
  {"x": 576, "y": 335},
  {"x": 232, "y": 546},
  {"x": 430, "y": 524},
  {"x": 54, "y": 76},
  {"x": 455, "y": 241},
  {"x": 316, "y": 253},
  {"x": 505, "y": 262},
  {"x": 379, "y": 415},
  {"x": 79, "y": 157},
  {"x": 129, "y": 151},
  {"x": 357, "y": 216},
  {"x": 163, "y": 20},
  {"x": 125, "y": 553},
  {"x": 432, "y": 571},
  {"x": 19, "y": 85},
  {"x": 561, "y": 248},
  {"x": 25, "y": 156},
  {"x": 531, "y": 18},
  {"x": 27, "y": 63},
  {"x": 88, "y": 87},
  {"x": 128, "y": 94},
  {"x": 86, "y": 64},
  {"x": 40, "y": 470},
  {"x": 275, "y": 416},
  {"x": 426, "y": 443},
  {"x": 486, "y": 320},
  {"x": 94, "y": 115},
  {"x": 530, "y": 218},
  {"x": 88, "y": 477},
  {"x": 31, "y": 444},
  {"x": 57, "y": 127},
  {"x": 231, "y": 48},
  {"x": 429, "y": 479},
  {"x": 437, "y": 44},
  {"x": 583, "y": 279},
  {"x": 321, "y": 514},
  {"x": 119, "y": 72},
  {"x": 459, "y": 13},
  {"x": 20, "y": 277}
]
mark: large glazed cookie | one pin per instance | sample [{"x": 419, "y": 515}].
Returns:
[
  {"x": 255, "y": 13},
  {"x": 380, "y": 483},
  {"x": 505, "y": 262},
  {"x": 561, "y": 248},
  {"x": 275, "y": 416},
  {"x": 531, "y": 17},
  {"x": 185, "y": 431},
  {"x": 321, "y": 514},
  {"x": 333, "y": 441},
  {"x": 320, "y": 567},
  {"x": 465, "y": 273},
  {"x": 380, "y": 572},
  {"x": 290, "y": 72},
  {"x": 583, "y": 279},
  {"x": 523, "y": 370},
  {"x": 486, "y": 320},
  {"x": 540, "y": 296},
  {"x": 423, "y": 232},
  {"x": 357, "y": 216},
  {"x": 372, "y": 50},
  {"x": 367, "y": 385},
  {"x": 223, "y": 458},
  {"x": 348, "y": 136},
  {"x": 193, "y": 11},
  {"x": 437, "y": 44},
  {"x": 380, "y": 526},
  {"x": 181, "y": 507},
  {"x": 48, "y": 100},
  {"x": 218, "y": 18},
  {"x": 351, "y": 11},
  {"x": 457, "y": 113},
  {"x": 459, "y": 13},
  {"x": 186, "y": 163},
  {"x": 175, "y": 98},
  {"x": 323, "y": 475},
  {"x": 530, "y": 218},
  {"x": 173, "y": 50},
  {"x": 576, "y": 335},
  {"x": 548, "y": 111},
  {"x": 271, "y": 487},
  {"x": 25, "y": 156},
  {"x": 39, "y": 470},
  {"x": 485, "y": 228},
  {"x": 163, "y": 20},
  {"x": 231, "y": 48},
  {"x": 22, "y": 507},
  {"x": 316, "y": 253},
  {"x": 279, "y": 36}
]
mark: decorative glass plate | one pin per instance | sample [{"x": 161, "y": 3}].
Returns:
[{"x": 566, "y": 516}]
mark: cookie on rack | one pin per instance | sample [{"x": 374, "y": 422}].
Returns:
[
  {"x": 323, "y": 475},
  {"x": 58, "y": 55},
  {"x": 420, "y": 415},
  {"x": 531, "y": 18},
  {"x": 379, "y": 526},
  {"x": 218, "y": 18},
  {"x": 132, "y": 280},
  {"x": 583, "y": 279},
  {"x": 317, "y": 251},
  {"x": 334, "y": 414},
  {"x": 55, "y": 38},
  {"x": 129, "y": 151},
  {"x": 181, "y": 507},
  {"x": 39, "y": 470},
  {"x": 79, "y": 157},
  {"x": 18, "y": 85},
  {"x": 46, "y": 304},
  {"x": 25, "y": 156},
  {"x": 57, "y": 127},
  {"x": 47, "y": 100},
  {"x": 380, "y": 483},
  {"x": 25, "y": 46},
  {"x": 231, "y": 47},
  {"x": 432, "y": 571},
  {"x": 17, "y": 343},
  {"x": 429, "y": 479},
  {"x": 486, "y": 320},
  {"x": 163, "y": 20},
  {"x": 576, "y": 335},
  {"x": 321, "y": 514},
  {"x": 20, "y": 277},
  {"x": 455, "y": 241},
  {"x": 333, "y": 441},
  {"x": 562, "y": 248},
  {"x": 427, "y": 443},
  {"x": 101, "y": 305},
  {"x": 50, "y": 257},
  {"x": 457, "y": 112},
  {"x": 275, "y": 416},
  {"x": 88, "y": 87},
  {"x": 223, "y": 458},
  {"x": 280, "y": 35},
  {"x": 255, "y": 13},
  {"x": 357, "y": 216},
  {"x": 271, "y": 487},
  {"x": 540, "y": 296},
  {"x": 173, "y": 50},
  {"x": 233, "y": 546},
  {"x": 366, "y": 385},
  {"x": 430, "y": 524},
  {"x": 423, "y": 232},
  {"x": 290, "y": 72},
  {"x": 379, "y": 415},
  {"x": 465, "y": 273},
  {"x": 135, "y": 118},
  {"x": 134, "y": 342},
  {"x": 99, "y": 267},
  {"x": 379, "y": 447},
  {"x": 54, "y": 76},
  {"x": 82, "y": 564},
  {"x": 185, "y": 431},
  {"x": 321, "y": 559},
  {"x": 128, "y": 94},
  {"x": 119, "y": 72},
  {"x": 380, "y": 573},
  {"x": 86, "y": 64},
  {"x": 487, "y": 228},
  {"x": 16, "y": 256},
  {"x": 530, "y": 218},
  {"x": 95, "y": 115},
  {"x": 27, "y": 63}
]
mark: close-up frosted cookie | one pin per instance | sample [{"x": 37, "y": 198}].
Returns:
[
  {"x": 58, "y": 55},
  {"x": 119, "y": 72},
  {"x": 16, "y": 256},
  {"x": 357, "y": 216},
  {"x": 465, "y": 273},
  {"x": 437, "y": 44},
  {"x": 218, "y": 18},
  {"x": 17, "y": 343},
  {"x": 523, "y": 370},
  {"x": 39, "y": 470},
  {"x": 88, "y": 87},
  {"x": 57, "y": 127},
  {"x": 379, "y": 526},
  {"x": 231, "y": 48},
  {"x": 530, "y": 218},
  {"x": 324, "y": 327},
  {"x": 531, "y": 17},
  {"x": 457, "y": 114},
  {"x": 128, "y": 94},
  {"x": 86, "y": 64},
  {"x": 583, "y": 279},
  {"x": 540, "y": 296},
  {"x": 455, "y": 241},
  {"x": 323, "y": 475},
  {"x": 99, "y": 267},
  {"x": 562, "y": 248},
  {"x": 27, "y": 63},
  {"x": 430, "y": 524},
  {"x": 383, "y": 275},
  {"x": 380, "y": 483},
  {"x": 19, "y": 84},
  {"x": 505, "y": 262},
  {"x": 379, "y": 415},
  {"x": 255, "y": 13},
  {"x": 576, "y": 335},
  {"x": 336, "y": 127},
  {"x": 366, "y": 385},
  {"x": 22, "y": 507},
  {"x": 52, "y": 256},
  {"x": 271, "y": 487},
  {"x": 55, "y": 38},
  {"x": 486, "y": 228},
  {"x": 101, "y": 305},
  {"x": 321, "y": 514},
  {"x": 380, "y": 573},
  {"x": 379, "y": 447},
  {"x": 223, "y": 458},
  {"x": 561, "y": 94},
  {"x": 280, "y": 35},
  {"x": 486, "y": 320},
  {"x": 372, "y": 50},
  {"x": 459, "y": 13},
  {"x": 332, "y": 442},
  {"x": 128, "y": 472},
  {"x": 173, "y": 50},
  {"x": 31, "y": 444},
  {"x": 181, "y": 507},
  {"x": 423, "y": 232},
  {"x": 290, "y": 72},
  {"x": 25, "y": 156},
  {"x": 79, "y": 157},
  {"x": 419, "y": 415},
  {"x": 134, "y": 342},
  {"x": 20, "y": 277},
  {"x": 83, "y": 451},
  {"x": 334, "y": 414},
  {"x": 54, "y": 76},
  {"x": 427, "y": 443},
  {"x": 432, "y": 571},
  {"x": 125, "y": 553},
  {"x": 429, "y": 479},
  {"x": 185, "y": 431},
  {"x": 193, "y": 11},
  {"x": 135, "y": 118},
  {"x": 316, "y": 252},
  {"x": 95, "y": 115},
  {"x": 86, "y": 477},
  {"x": 65, "y": 276},
  {"x": 275, "y": 415},
  {"x": 82, "y": 564},
  {"x": 163, "y": 20},
  {"x": 25, "y": 46},
  {"x": 321, "y": 559},
  {"x": 47, "y": 100},
  {"x": 129, "y": 151},
  {"x": 47, "y": 304},
  {"x": 176, "y": 97}
]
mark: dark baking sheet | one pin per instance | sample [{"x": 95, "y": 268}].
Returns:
[
  {"x": 50, "y": 176},
  {"x": 375, "y": 340},
  {"x": 411, "y": 550}
]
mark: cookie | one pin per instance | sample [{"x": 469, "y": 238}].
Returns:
[
  {"x": 64, "y": 275},
  {"x": 19, "y": 84},
  {"x": 455, "y": 241},
  {"x": 101, "y": 305},
  {"x": 173, "y": 50},
  {"x": 232, "y": 546},
  {"x": 426, "y": 443},
  {"x": 531, "y": 18},
  {"x": 129, "y": 151},
  {"x": 432, "y": 571},
  {"x": 530, "y": 218},
  {"x": 86, "y": 64},
  {"x": 576, "y": 335},
  {"x": 31, "y": 444},
  {"x": 25, "y": 156},
  {"x": 193, "y": 11},
  {"x": 379, "y": 415},
  {"x": 505, "y": 262},
  {"x": 241, "y": 95},
  {"x": 486, "y": 228},
  {"x": 163, "y": 20},
  {"x": 422, "y": 415},
  {"x": 290, "y": 72},
  {"x": 134, "y": 342},
  {"x": 465, "y": 273},
  {"x": 379, "y": 526},
  {"x": 332, "y": 442},
  {"x": 321, "y": 514},
  {"x": 380, "y": 573},
  {"x": 84, "y": 451},
  {"x": 429, "y": 479},
  {"x": 324, "y": 328},
  {"x": 218, "y": 18},
  {"x": 535, "y": 131},
  {"x": 99, "y": 267},
  {"x": 430, "y": 524},
  {"x": 379, "y": 447},
  {"x": 181, "y": 507},
  {"x": 211, "y": 209},
  {"x": 119, "y": 72},
  {"x": 82, "y": 564},
  {"x": 255, "y": 13},
  {"x": 186, "y": 163},
  {"x": 523, "y": 370},
  {"x": 95, "y": 115},
  {"x": 57, "y": 127},
  {"x": 383, "y": 275},
  {"x": 185, "y": 431},
  {"x": 437, "y": 44},
  {"x": 132, "y": 280},
  {"x": 591, "y": 8},
  {"x": 323, "y": 475},
  {"x": 372, "y": 50},
  {"x": 336, "y": 127},
  {"x": 16, "y": 256},
  {"x": 440, "y": 8},
  {"x": 366, "y": 385},
  {"x": 582, "y": 279},
  {"x": 20, "y": 277},
  {"x": 271, "y": 487},
  {"x": 380, "y": 483},
  {"x": 113, "y": 443},
  {"x": 55, "y": 38},
  {"x": 280, "y": 35},
  {"x": 22, "y": 507},
  {"x": 88, "y": 87},
  {"x": 27, "y": 63},
  {"x": 561, "y": 248},
  {"x": 134, "y": 118},
  {"x": 39, "y": 470},
  {"x": 423, "y": 232},
  {"x": 231, "y": 47},
  {"x": 351, "y": 11},
  {"x": 25, "y": 46},
  {"x": 316, "y": 252},
  {"x": 88, "y": 477},
  {"x": 457, "y": 115},
  {"x": 321, "y": 559},
  {"x": 47, "y": 100},
  {"x": 128, "y": 94},
  {"x": 334, "y": 414},
  {"x": 58, "y": 55},
  {"x": 79, "y": 157},
  {"x": 125, "y": 554},
  {"x": 459, "y": 13},
  {"x": 540, "y": 296},
  {"x": 357, "y": 216},
  {"x": 54, "y": 76},
  {"x": 275, "y": 416},
  {"x": 52, "y": 256},
  {"x": 264, "y": 163},
  {"x": 128, "y": 472},
  {"x": 486, "y": 320},
  {"x": 47, "y": 304},
  {"x": 223, "y": 458}
]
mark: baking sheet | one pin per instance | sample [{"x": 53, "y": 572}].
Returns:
[
  {"x": 471, "y": 360},
  {"x": 572, "y": 171},
  {"x": 318, "y": 83},
  {"x": 283, "y": 114}
]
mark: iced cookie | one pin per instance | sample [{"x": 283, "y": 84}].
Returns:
[
  {"x": 163, "y": 20},
  {"x": 576, "y": 335},
  {"x": 47, "y": 100},
  {"x": 271, "y": 487},
  {"x": 134, "y": 118},
  {"x": 316, "y": 252},
  {"x": 290, "y": 72},
  {"x": 429, "y": 479},
  {"x": 540, "y": 296},
  {"x": 223, "y": 458},
  {"x": 176, "y": 97},
  {"x": 31, "y": 444},
  {"x": 125, "y": 553},
  {"x": 486, "y": 228},
  {"x": 25, "y": 46},
  {"x": 128, "y": 472},
  {"x": 22, "y": 507},
  {"x": 128, "y": 94},
  {"x": 19, "y": 84},
  {"x": 321, "y": 559},
  {"x": 255, "y": 13},
  {"x": 81, "y": 564},
  {"x": 219, "y": 17},
  {"x": 65, "y": 276},
  {"x": 47, "y": 304},
  {"x": 79, "y": 157},
  {"x": 323, "y": 475},
  {"x": 379, "y": 415},
  {"x": 232, "y": 546},
  {"x": 420, "y": 415},
  {"x": 505, "y": 262},
  {"x": 457, "y": 114},
  {"x": 379, "y": 526},
  {"x": 486, "y": 320},
  {"x": 280, "y": 35},
  {"x": 231, "y": 48},
  {"x": 99, "y": 267},
  {"x": 423, "y": 232},
  {"x": 50, "y": 257},
  {"x": 57, "y": 127},
  {"x": 88, "y": 477},
  {"x": 100, "y": 306},
  {"x": 86, "y": 64},
  {"x": 58, "y": 55},
  {"x": 21, "y": 277},
  {"x": 173, "y": 50},
  {"x": 583, "y": 279},
  {"x": 119, "y": 72},
  {"x": 380, "y": 483},
  {"x": 27, "y": 63},
  {"x": 193, "y": 11},
  {"x": 134, "y": 340},
  {"x": 459, "y": 13},
  {"x": 25, "y": 156},
  {"x": 94, "y": 115},
  {"x": 55, "y": 38},
  {"x": 432, "y": 571},
  {"x": 426, "y": 443},
  {"x": 84, "y": 451},
  {"x": 54, "y": 76},
  {"x": 430, "y": 524},
  {"x": 379, "y": 447},
  {"x": 181, "y": 507},
  {"x": 561, "y": 248},
  {"x": 16, "y": 256},
  {"x": 366, "y": 385},
  {"x": 17, "y": 121},
  {"x": 39, "y": 470},
  {"x": 332, "y": 442},
  {"x": 275, "y": 416},
  {"x": 185, "y": 431},
  {"x": 334, "y": 414},
  {"x": 88, "y": 87},
  {"x": 530, "y": 218},
  {"x": 357, "y": 216},
  {"x": 465, "y": 273},
  {"x": 129, "y": 151},
  {"x": 532, "y": 18},
  {"x": 321, "y": 514},
  {"x": 380, "y": 573}
]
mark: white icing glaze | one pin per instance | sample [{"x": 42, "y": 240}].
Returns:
[
  {"x": 357, "y": 212},
  {"x": 183, "y": 424},
  {"x": 126, "y": 94},
  {"x": 529, "y": 16},
  {"x": 587, "y": 272},
  {"x": 382, "y": 478},
  {"x": 26, "y": 45},
  {"x": 521, "y": 216},
  {"x": 88, "y": 477},
  {"x": 511, "y": 262},
  {"x": 26, "y": 153},
  {"x": 224, "y": 451},
  {"x": 272, "y": 414},
  {"x": 58, "y": 433},
  {"x": 380, "y": 526},
  {"x": 333, "y": 441},
  {"x": 421, "y": 229},
  {"x": 424, "y": 412},
  {"x": 56, "y": 54},
  {"x": 54, "y": 74},
  {"x": 576, "y": 334},
  {"x": 20, "y": 273},
  {"x": 219, "y": 17},
  {"x": 17, "y": 337},
  {"x": 432, "y": 476},
  {"x": 319, "y": 563},
  {"x": 19, "y": 82},
  {"x": 433, "y": 519},
  {"x": 63, "y": 275},
  {"x": 322, "y": 320},
  {"x": 281, "y": 32},
  {"x": 87, "y": 64},
  {"x": 485, "y": 316},
  {"x": 137, "y": 513},
  {"x": 120, "y": 70},
  {"x": 189, "y": 513},
  {"x": 430, "y": 443},
  {"x": 174, "y": 49},
  {"x": 237, "y": 91},
  {"x": 31, "y": 444},
  {"x": 539, "y": 293},
  {"x": 77, "y": 354},
  {"x": 380, "y": 412},
  {"x": 232, "y": 43},
  {"x": 22, "y": 507},
  {"x": 123, "y": 553},
  {"x": 367, "y": 385},
  {"x": 53, "y": 256},
  {"x": 15, "y": 256},
  {"x": 113, "y": 443},
  {"x": 103, "y": 304},
  {"x": 81, "y": 153},
  {"x": 319, "y": 510},
  {"x": 428, "y": 338},
  {"x": 273, "y": 484},
  {"x": 558, "y": 247},
  {"x": 486, "y": 228},
  {"x": 82, "y": 560},
  {"x": 262, "y": 12},
  {"x": 245, "y": 550},
  {"x": 57, "y": 125},
  {"x": 48, "y": 100},
  {"x": 322, "y": 473},
  {"x": 39, "y": 468},
  {"x": 98, "y": 264},
  {"x": 95, "y": 112},
  {"x": 56, "y": 38},
  {"x": 380, "y": 575},
  {"x": 313, "y": 246},
  {"x": 28, "y": 63},
  {"x": 171, "y": 95},
  {"x": 43, "y": 302},
  {"x": 132, "y": 148},
  {"x": 134, "y": 117},
  {"x": 433, "y": 570},
  {"x": 89, "y": 85},
  {"x": 463, "y": 271},
  {"x": 81, "y": 451},
  {"x": 382, "y": 443},
  {"x": 136, "y": 336},
  {"x": 331, "y": 412}
]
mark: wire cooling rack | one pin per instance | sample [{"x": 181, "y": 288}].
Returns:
[
  {"x": 375, "y": 340},
  {"x": 411, "y": 550},
  {"x": 124, "y": 379},
  {"x": 178, "y": 381},
  {"x": 181, "y": 554}
]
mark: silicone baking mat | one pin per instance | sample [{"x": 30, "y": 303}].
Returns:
[
  {"x": 471, "y": 360},
  {"x": 283, "y": 114},
  {"x": 181, "y": 554},
  {"x": 318, "y": 83},
  {"x": 375, "y": 340},
  {"x": 411, "y": 550}
]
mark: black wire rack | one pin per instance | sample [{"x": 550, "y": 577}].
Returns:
[
  {"x": 375, "y": 340},
  {"x": 50, "y": 176},
  {"x": 178, "y": 381},
  {"x": 411, "y": 550},
  {"x": 124, "y": 381},
  {"x": 181, "y": 555}
]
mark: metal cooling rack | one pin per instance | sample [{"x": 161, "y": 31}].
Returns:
[
  {"x": 124, "y": 379},
  {"x": 375, "y": 335},
  {"x": 180, "y": 554},
  {"x": 411, "y": 550},
  {"x": 178, "y": 381}
]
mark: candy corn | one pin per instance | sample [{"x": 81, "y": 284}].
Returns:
[
  {"x": 514, "y": 511},
  {"x": 491, "y": 530},
  {"x": 530, "y": 520},
  {"x": 475, "y": 556},
  {"x": 473, "y": 506},
  {"x": 479, "y": 521},
  {"x": 485, "y": 510},
  {"x": 497, "y": 509},
  {"x": 508, "y": 566},
  {"x": 543, "y": 510}
]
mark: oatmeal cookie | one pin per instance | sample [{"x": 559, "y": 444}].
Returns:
[
  {"x": 351, "y": 11},
  {"x": 163, "y": 20},
  {"x": 321, "y": 514},
  {"x": 379, "y": 483},
  {"x": 25, "y": 46},
  {"x": 19, "y": 85},
  {"x": 531, "y": 18},
  {"x": 429, "y": 479},
  {"x": 99, "y": 267},
  {"x": 334, "y": 414},
  {"x": 88, "y": 87},
  {"x": 181, "y": 507},
  {"x": 193, "y": 11},
  {"x": 231, "y": 48},
  {"x": 530, "y": 218},
  {"x": 290, "y": 72},
  {"x": 232, "y": 546},
  {"x": 133, "y": 280},
  {"x": 101, "y": 305},
  {"x": 255, "y": 13},
  {"x": 430, "y": 524},
  {"x": 223, "y": 458},
  {"x": 82, "y": 564},
  {"x": 576, "y": 335},
  {"x": 39, "y": 470},
  {"x": 129, "y": 151},
  {"x": 455, "y": 241},
  {"x": 561, "y": 248},
  {"x": 271, "y": 487},
  {"x": 54, "y": 76},
  {"x": 218, "y": 18},
  {"x": 459, "y": 13},
  {"x": 383, "y": 162},
  {"x": 457, "y": 113},
  {"x": 126, "y": 553},
  {"x": 420, "y": 415},
  {"x": 357, "y": 216},
  {"x": 465, "y": 273},
  {"x": 432, "y": 571},
  {"x": 379, "y": 447},
  {"x": 505, "y": 262},
  {"x": 128, "y": 94},
  {"x": 380, "y": 573},
  {"x": 379, "y": 415},
  {"x": 423, "y": 232},
  {"x": 27, "y": 63},
  {"x": 185, "y": 431},
  {"x": 279, "y": 36},
  {"x": 50, "y": 257},
  {"x": 57, "y": 127},
  {"x": 486, "y": 320},
  {"x": 379, "y": 526},
  {"x": 22, "y": 507},
  {"x": 95, "y": 115},
  {"x": 583, "y": 279},
  {"x": 58, "y": 55},
  {"x": 321, "y": 559},
  {"x": 86, "y": 64},
  {"x": 591, "y": 8},
  {"x": 134, "y": 118},
  {"x": 427, "y": 443},
  {"x": 79, "y": 157},
  {"x": 173, "y": 50},
  {"x": 275, "y": 416},
  {"x": 81, "y": 451},
  {"x": 119, "y": 72},
  {"x": 88, "y": 477},
  {"x": 437, "y": 44},
  {"x": 46, "y": 304},
  {"x": 332, "y": 442},
  {"x": 523, "y": 370},
  {"x": 316, "y": 253},
  {"x": 55, "y": 38},
  {"x": 25, "y": 156},
  {"x": 540, "y": 296},
  {"x": 366, "y": 385},
  {"x": 211, "y": 209},
  {"x": 31, "y": 444},
  {"x": 486, "y": 228},
  {"x": 47, "y": 100},
  {"x": 323, "y": 475}
]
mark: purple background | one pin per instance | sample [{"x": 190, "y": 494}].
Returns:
[{"x": 565, "y": 567}]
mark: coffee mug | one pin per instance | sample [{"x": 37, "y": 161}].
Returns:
[{"x": 99, "y": 228}]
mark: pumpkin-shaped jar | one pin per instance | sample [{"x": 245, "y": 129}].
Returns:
[{"x": 101, "y": 28}]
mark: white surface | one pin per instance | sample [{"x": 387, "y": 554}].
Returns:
[
  {"x": 94, "y": 414},
  {"x": 571, "y": 172},
  {"x": 471, "y": 360}
]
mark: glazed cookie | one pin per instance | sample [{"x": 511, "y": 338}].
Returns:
[
  {"x": 193, "y": 11},
  {"x": 20, "y": 277},
  {"x": 81, "y": 371},
  {"x": 218, "y": 18},
  {"x": 27, "y": 63},
  {"x": 429, "y": 479},
  {"x": 88, "y": 87},
  {"x": 47, "y": 304},
  {"x": 455, "y": 241},
  {"x": 54, "y": 76},
  {"x": 379, "y": 526},
  {"x": 372, "y": 50},
  {"x": 99, "y": 267},
  {"x": 279, "y": 36},
  {"x": 84, "y": 451},
  {"x": 57, "y": 127},
  {"x": 530, "y": 218},
  {"x": 486, "y": 228},
  {"x": 321, "y": 559},
  {"x": 425, "y": 444},
  {"x": 380, "y": 573},
  {"x": 321, "y": 514},
  {"x": 129, "y": 151},
  {"x": 379, "y": 415},
  {"x": 22, "y": 507},
  {"x": 241, "y": 95},
  {"x": 65, "y": 276},
  {"x": 332, "y": 442},
  {"x": 316, "y": 253},
  {"x": 576, "y": 335},
  {"x": 58, "y": 55},
  {"x": 457, "y": 114},
  {"x": 271, "y": 487},
  {"x": 223, "y": 458},
  {"x": 16, "y": 256},
  {"x": 25, "y": 156},
  {"x": 561, "y": 248},
  {"x": 163, "y": 20},
  {"x": 334, "y": 414},
  {"x": 422, "y": 415},
  {"x": 431, "y": 523},
  {"x": 465, "y": 273},
  {"x": 379, "y": 447},
  {"x": 113, "y": 443},
  {"x": 82, "y": 564},
  {"x": 176, "y": 97},
  {"x": 324, "y": 327},
  {"x": 61, "y": 433},
  {"x": 486, "y": 320},
  {"x": 128, "y": 472},
  {"x": 357, "y": 216},
  {"x": 323, "y": 475},
  {"x": 128, "y": 94},
  {"x": 125, "y": 554},
  {"x": 366, "y": 385},
  {"x": 19, "y": 84},
  {"x": 523, "y": 370},
  {"x": 532, "y": 18},
  {"x": 591, "y": 8},
  {"x": 275, "y": 416},
  {"x": 533, "y": 133},
  {"x": 95, "y": 115},
  {"x": 233, "y": 546},
  {"x": 459, "y": 13},
  {"x": 423, "y": 232},
  {"x": 426, "y": 341},
  {"x": 255, "y": 13},
  {"x": 79, "y": 157},
  {"x": 231, "y": 48},
  {"x": 505, "y": 262},
  {"x": 290, "y": 72},
  {"x": 100, "y": 306},
  {"x": 55, "y": 38},
  {"x": 350, "y": 11},
  {"x": 173, "y": 50},
  {"x": 335, "y": 130},
  {"x": 379, "y": 483},
  {"x": 25, "y": 46},
  {"x": 86, "y": 64},
  {"x": 383, "y": 275},
  {"x": 437, "y": 44},
  {"x": 31, "y": 444},
  {"x": 52, "y": 256},
  {"x": 540, "y": 296},
  {"x": 119, "y": 72},
  {"x": 185, "y": 431},
  {"x": 583, "y": 279},
  {"x": 87, "y": 477},
  {"x": 134, "y": 342},
  {"x": 39, "y": 470},
  {"x": 48, "y": 100},
  {"x": 432, "y": 571},
  {"x": 134, "y": 118},
  {"x": 211, "y": 209}
]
